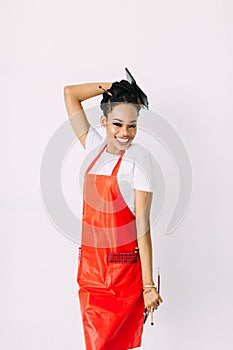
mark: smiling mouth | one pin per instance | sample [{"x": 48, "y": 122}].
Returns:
[{"x": 123, "y": 141}]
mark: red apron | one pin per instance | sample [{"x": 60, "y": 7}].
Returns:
[{"x": 109, "y": 269}]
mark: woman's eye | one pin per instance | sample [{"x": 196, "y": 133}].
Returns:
[{"x": 119, "y": 125}]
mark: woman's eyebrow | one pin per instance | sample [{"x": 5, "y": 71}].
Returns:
[{"x": 132, "y": 121}]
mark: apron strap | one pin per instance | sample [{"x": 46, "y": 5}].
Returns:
[
  {"x": 116, "y": 167},
  {"x": 95, "y": 159}
]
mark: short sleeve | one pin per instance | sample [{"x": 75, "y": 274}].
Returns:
[
  {"x": 93, "y": 139},
  {"x": 143, "y": 171}
]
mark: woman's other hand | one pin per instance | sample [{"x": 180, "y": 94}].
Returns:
[{"x": 152, "y": 299}]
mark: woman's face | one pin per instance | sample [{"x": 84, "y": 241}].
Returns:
[{"x": 121, "y": 127}]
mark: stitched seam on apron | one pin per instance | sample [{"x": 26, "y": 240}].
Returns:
[{"x": 122, "y": 258}]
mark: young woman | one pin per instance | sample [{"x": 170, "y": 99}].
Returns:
[{"x": 115, "y": 273}]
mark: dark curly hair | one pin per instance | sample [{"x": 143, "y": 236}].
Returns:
[{"x": 122, "y": 92}]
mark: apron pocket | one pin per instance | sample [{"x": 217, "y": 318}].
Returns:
[
  {"x": 122, "y": 258},
  {"x": 126, "y": 272}
]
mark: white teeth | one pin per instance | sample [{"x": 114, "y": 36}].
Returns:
[{"x": 122, "y": 140}]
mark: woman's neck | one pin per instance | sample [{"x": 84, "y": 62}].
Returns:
[{"x": 115, "y": 151}]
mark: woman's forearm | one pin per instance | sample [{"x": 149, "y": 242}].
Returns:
[
  {"x": 143, "y": 202},
  {"x": 145, "y": 251},
  {"x": 73, "y": 96},
  {"x": 85, "y": 91}
]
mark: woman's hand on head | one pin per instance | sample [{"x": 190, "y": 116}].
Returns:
[{"x": 73, "y": 96}]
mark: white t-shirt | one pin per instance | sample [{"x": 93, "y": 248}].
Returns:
[{"x": 135, "y": 171}]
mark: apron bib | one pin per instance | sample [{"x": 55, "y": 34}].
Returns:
[{"x": 109, "y": 269}]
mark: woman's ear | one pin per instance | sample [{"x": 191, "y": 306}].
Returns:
[{"x": 103, "y": 120}]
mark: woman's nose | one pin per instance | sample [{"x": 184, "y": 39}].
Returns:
[{"x": 125, "y": 130}]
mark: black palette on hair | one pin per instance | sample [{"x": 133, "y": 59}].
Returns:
[{"x": 142, "y": 96}]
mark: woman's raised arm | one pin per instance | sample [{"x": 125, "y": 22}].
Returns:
[{"x": 74, "y": 95}]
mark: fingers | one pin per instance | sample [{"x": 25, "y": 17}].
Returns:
[
  {"x": 154, "y": 304},
  {"x": 161, "y": 300},
  {"x": 152, "y": 307},
  {"x": 152, "y": 300}
]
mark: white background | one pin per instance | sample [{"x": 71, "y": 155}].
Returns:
[{"x": 181, "y": 54}]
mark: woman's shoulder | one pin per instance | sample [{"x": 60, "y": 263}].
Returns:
[
  {"x": 137, "y": 149},
  {"x": 93, "y": 139},
  {"x": 140, "y": 157},
  {"x": 143, "y": 168}
]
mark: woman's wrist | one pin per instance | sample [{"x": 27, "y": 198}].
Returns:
[
  {"x": 87, "y": 90},
  {"x": 148, "y": 281},
  {"x": 149, "y": 287}
]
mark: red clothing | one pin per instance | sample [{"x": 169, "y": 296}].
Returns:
[{"x": 109, "y": 272}]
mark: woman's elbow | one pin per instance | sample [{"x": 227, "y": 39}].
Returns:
[{"x": 67, "y": 90}]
